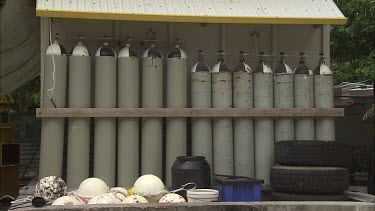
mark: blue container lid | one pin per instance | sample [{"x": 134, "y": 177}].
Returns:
[{"x": 236, "y": 179}]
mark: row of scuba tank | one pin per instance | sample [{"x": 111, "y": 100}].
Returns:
[
  {"x": 262, "y": 67},
  {"x": 200, "y": 66}
]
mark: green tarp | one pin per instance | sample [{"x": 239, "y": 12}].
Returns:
[{"x": 19, "y": 44}]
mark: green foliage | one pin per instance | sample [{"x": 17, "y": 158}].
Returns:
[
  {"x": 27, "y": 97},
  {"x": 353, "y": 45},
  {"x": 2, "y": 3}
]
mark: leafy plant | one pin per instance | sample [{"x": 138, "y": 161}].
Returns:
[
  {"x": 2, "y": 3},
  {"x": 27, "y": 97},
  {"x": 353, "y": 45}
]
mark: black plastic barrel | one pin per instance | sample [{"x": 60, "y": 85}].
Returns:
[{"x": 188, "y": 169}]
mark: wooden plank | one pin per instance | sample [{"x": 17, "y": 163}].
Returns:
[
  {"x": 268, "y": 112},
  {"x": 189, "y": 112}
]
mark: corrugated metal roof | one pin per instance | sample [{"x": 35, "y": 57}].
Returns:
[{"x": 208, "y": 11}]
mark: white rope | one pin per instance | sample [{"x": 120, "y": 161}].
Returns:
[
  {"x": 184, "y": 187},
  {"x": 50, "y": 91}
]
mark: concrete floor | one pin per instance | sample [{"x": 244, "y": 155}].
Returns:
[{"x": 255, "y": 206}]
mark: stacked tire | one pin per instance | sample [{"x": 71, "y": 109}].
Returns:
[{"x": 310, "y": 171}]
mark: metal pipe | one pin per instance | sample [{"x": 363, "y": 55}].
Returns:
[
  {"x": 176, "y": 142},
  {"x": 201, "y": 128},
  {"x": 54, "y": 95},
  {"x": 243, "y": 127},
  {"x": 152, "y": 97},
  {"x": 105, "y": 128},
  {"x": 128, "y": 128},
  {"x": 78, "y": 157}
]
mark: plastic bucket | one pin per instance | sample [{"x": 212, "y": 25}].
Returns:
[
  {"x": 191, "y": 169},
  {"x": 202, "y": 195}
]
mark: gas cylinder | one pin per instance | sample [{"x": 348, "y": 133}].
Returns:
[
  {"x": 283, "y": 98},
  {"x": 263, "y": 126},
  {"x": 243, "y": 127},
  {"x": 54, "y": 96},
  {"x": 176, "y": 142},
  {"x": 303, "y": 98},
  {"x": 152, "y": 97},
  {"x": 105, "y": 128},
  {"x": 79, "y": 128},
  {"x": 323, "y": 98},
  {"x": 222, "y": 126},
  {"x": 128, "y": 128}
]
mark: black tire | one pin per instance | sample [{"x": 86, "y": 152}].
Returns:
[
  {"x": 277, "y": 196},
  {"x": 314, "y": 180},
  {"x": 312, "y": 153}
]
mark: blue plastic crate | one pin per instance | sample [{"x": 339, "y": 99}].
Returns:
[{"x": 239, "y": 189}]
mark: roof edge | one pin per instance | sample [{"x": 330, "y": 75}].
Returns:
[{"x": 190, "y": 18}]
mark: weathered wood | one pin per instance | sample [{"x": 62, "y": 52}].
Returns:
[{"x": 189, "y": 112}]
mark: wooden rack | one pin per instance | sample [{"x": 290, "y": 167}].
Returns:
[{"x": 189, "y": 112}]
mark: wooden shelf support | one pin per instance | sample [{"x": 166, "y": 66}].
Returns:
[{"x": 189, "y": 112}]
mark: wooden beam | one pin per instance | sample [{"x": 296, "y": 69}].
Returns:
[{"x": 189, "y": 112}]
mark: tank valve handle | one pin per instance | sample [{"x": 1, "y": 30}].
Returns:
[{"x": 321, "y": 57}]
